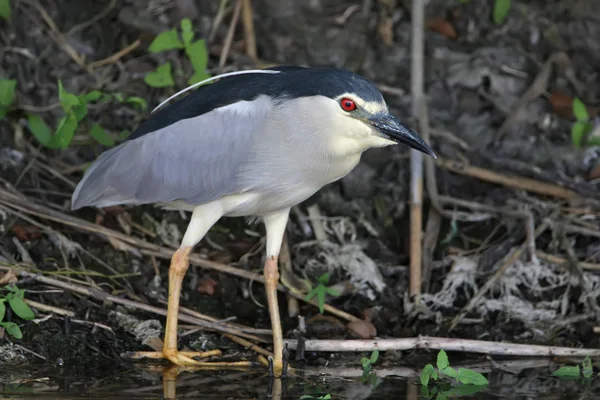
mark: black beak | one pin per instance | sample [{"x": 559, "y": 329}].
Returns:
[{"x": 391, "y": 128}]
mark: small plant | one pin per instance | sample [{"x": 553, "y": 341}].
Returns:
[
  {"x": 582, "y": 127},
  {"x": 75, "y": 109},
  {"x": 5, "y": 9},
  {"x": 15, "y": 299},
  {"x": 367, "y": 363},
  {"x": 195, "y": 50},
  {"x": 321, "y": 290},
  {"x": 585, "y": 371},
  {"x": 308, "y": 396},
  {"x": 501, "y": 8},
  {"x": 7, "y": 95},
  {"x": 467, "y": 380}
]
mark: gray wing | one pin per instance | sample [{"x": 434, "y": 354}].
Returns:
[{"x": 195, "y": 160}]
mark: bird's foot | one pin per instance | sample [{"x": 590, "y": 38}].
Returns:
[
  {"x": 278, "y": 367},
  {"x": 186, "y": 358},
  {"x": 180, "y": 358}
]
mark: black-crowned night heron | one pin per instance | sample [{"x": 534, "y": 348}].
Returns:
[{"x": 254, "y": 143}]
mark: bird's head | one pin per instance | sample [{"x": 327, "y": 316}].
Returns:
[{"x": 347, "y": 107}]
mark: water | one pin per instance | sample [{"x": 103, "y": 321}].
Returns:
[{"x": 516, "y": 379}]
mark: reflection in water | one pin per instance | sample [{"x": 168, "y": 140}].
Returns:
[{"x": 514, "y": 379}]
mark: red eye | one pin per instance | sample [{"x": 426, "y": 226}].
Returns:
[{"x": 348, "y": 104}]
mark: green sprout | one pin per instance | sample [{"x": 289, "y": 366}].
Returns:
[
  {"x": 5, "y": 9},
  {"x": 321, "y": 290},
  {"x": 581, "y": 129},
  {"x": 171, "y": 40},
  {"x": 466, "y": 380},
  {"x": 15, "y": 299},
  {"x": 7, "y": 94},
  {"x": 577, "y": 372},
  {"x": 367, "y": 363},
  {"x": 500, "y": 11},
  {"x": 75, "y": 109},
  {"x": 501, "y": 8}
]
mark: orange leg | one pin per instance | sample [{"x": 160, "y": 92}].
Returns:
[
  {"x": 177, "y": 270},
  {"x": 271, "y": 274}
]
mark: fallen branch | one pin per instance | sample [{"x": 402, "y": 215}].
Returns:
[
  {"x": 448, "y": 344},
  {"x": 515, "y": 182}
]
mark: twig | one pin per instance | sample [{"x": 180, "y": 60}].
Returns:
[
  {"x": 554, "y": 259},
  {"x": 49, "y": 309},
  {"x": 115, "y": 57},
  {"x": 230, "y": 33},
  {"x": 315, "y": 218},
  {"x": 92, "y": 21},
  {"x": 448, "y": 344},
  {"x": 515, "y": 182},
  {"x": 25, "y": 205},
  {"x": 538, "y": 87},
  {"x": 248, "y": 345},
  {"x": 508, "y": 262},
  {"x": 416, "y": 157},
  {"x": 57, "y": 34},
  {"x": 102, "y": 296},
  {"x": 217, "y": 20},
  {"x": 249, "y": 33}
]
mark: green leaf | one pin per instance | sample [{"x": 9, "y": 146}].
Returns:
[
  {"x": 426, "y": 374},
  {"x": 2, "y": 310},
  {"x": 5, "y": 9},
  {"x": 101, "y": 136},
  {"x": 21, "y": 308},
  {"x": 7, "y": 92},
  {"x": 161, "y": 77},
  {"x": 579, "y": 110},
  {"x": 12, "y": 329},
  {"x": 167, "y": 40},
  {"x": 123, "y": 135},
  {"x": 501, "y": 8},
  {"x": 80, "y": 111},
  {"x": 567, "y": 372},
  {"x": 374, "y": 356},
  {"x": 441, "y": 396},
  {"x": 67, "y": 100},
  {"x": 578, "y": 132},
  {"x": 187, "y": 32},
  {"x": 470, "y": 377},
  {"x": 92, "y": 96},
  {"x": 588, "y": 369},
  {"x": 451, "y": 372},
  {"x": 332, "y": 292},
  {"x": 198, "y": 55},
  {"x": 324, "y": 279},
  {"x": 65, "y": 131},
  {"x": 40, "y": 129},
  {"x": 442, "y": 360},
  {"x": 138, "y": 101}
]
